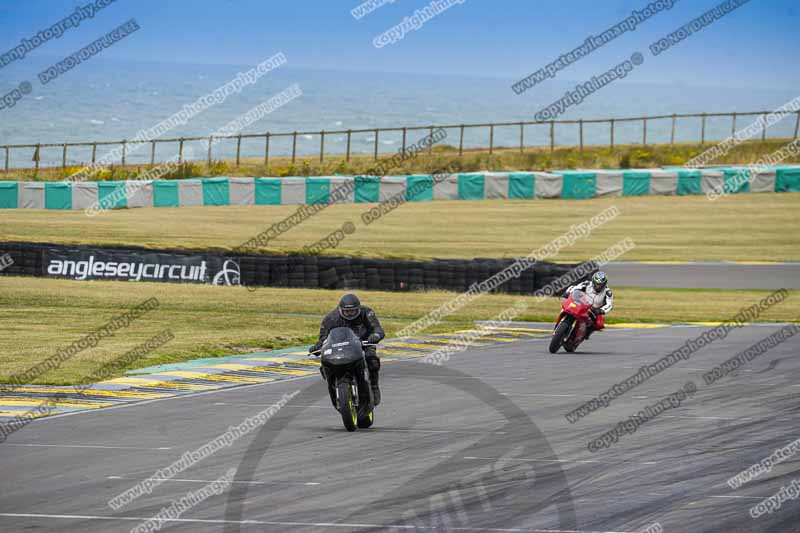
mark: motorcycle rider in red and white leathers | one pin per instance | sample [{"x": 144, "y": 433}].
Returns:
[{"x": 598, "y": 289}]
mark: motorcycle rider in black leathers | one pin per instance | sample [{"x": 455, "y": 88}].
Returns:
[{"x": 365, "y": 324}]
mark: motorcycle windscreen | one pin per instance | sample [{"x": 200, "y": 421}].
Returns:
[
  {"x": 582, "y": 298},
  {"x": 342, "y": 347}
]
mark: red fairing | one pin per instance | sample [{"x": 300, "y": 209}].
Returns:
[
  {"x": 576, "y": 309},
  {"x": 578, "y": 305}
]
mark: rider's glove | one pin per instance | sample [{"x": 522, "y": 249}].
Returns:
[
  {"x": 374, "y": 338},
  {"x": 312, "y": 350}
]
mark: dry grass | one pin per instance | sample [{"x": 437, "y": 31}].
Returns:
[
  {"x": 39, "y": 316},
  {"x": 742, "y": 227}
]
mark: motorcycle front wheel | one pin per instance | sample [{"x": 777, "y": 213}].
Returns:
[
  {"x": 366, "y": 421},
  {"x": 558, "y": 335},
  {"x": 346, "y": 406}
]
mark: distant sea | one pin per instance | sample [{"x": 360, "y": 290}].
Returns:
[{"x": 104, "y": 100}]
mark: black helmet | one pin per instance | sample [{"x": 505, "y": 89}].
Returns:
[
  {"x": 349, "y": 306},
  {"x": 599, "y": 281}
]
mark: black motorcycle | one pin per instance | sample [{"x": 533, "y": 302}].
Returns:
[{"x": 344, "y": 367}]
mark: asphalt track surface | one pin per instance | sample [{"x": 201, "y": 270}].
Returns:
[
  {"x": 479, "y": 444},
  {"x": 705, "y": 275}
]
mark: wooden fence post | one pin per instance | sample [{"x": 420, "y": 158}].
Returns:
[
  {"x": 64, "y": 157},
  {"x": 294, "y": 146},
  {"x": 152, "y": 153},
  {"x": 733, "y": 125},
  {"x": 375, "y": 154},
  {"x": 403, "y": 151},
  {"x": 124, "y": 151},
  {"x": 210, "y": 144},
  {"x": 461, "y": 141},
  {"x": 703, "y": 131},
  {"x": 552, "y": 136},
  {"x": 672, "y": 134},
  {"x": 322, "y": 146},
  {"x": 8, "y": 156},
  {"x": 238, "y": 149},
  {"x": 521, "y": 137},
  {"x": 94, "y": 152},
  {"x": 491, "y": 138},
  {"x": 612, "y": 133},
  {"x": 266, "y": 151},
  {"x": 764, "y": 131},
  {"x": 797, "y": 125},
  {"x": 580, "y": 131},
  {"x": 180, "y": 151},
  {"x": 347, "y": 155},
  {"x": 644, "y": 132}
]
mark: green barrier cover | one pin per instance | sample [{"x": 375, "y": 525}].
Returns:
[
  {"x": 165, "y": 193},
  {"x": 419, "y": 188},
  {"x": 689, "y": 182},
  {"x": 58, "y": 196},
  {"x": 471, "y": 186},
  {"x": 734, "y": 182},
  {"x": 216, "y": 191},
  {"x": 105, "y": 190},
  {"x": 318, "y": 191},
  {"x": 635, "y": 183},
  {"x": 578, "y": 185},
  {"x": 521, "y": 186},
  {"x": 367, "y": 189},
  {"x": 787, "y": 180},
  {"x": 268, "y": 191},
  {"x": 9, "y": 194}
]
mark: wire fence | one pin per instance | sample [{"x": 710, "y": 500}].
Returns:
[{"x": 489, "y": 128}]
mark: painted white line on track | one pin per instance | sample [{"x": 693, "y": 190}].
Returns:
[
  {"x": 682, "y": 368},
  {"x": 708, "y": 417},
  {"x": 395, "y": 430},
  {"x": 88, "y": 446},
  {"x": 276, "y": 523},
  {"x": 738, "y": 497},
  {"x": 538, "y": 394},
  {"x": 238, "y": 404},
  {"x": 550, "y": 460},
  {"x": 207, "y": 481}
]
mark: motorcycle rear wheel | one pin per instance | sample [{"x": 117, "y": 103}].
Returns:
[
  {"x": 346, "y": 406},
  {"x": 559, "y": 334}
]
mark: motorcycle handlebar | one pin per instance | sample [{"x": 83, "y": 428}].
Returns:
[{"x": 363, "y": 343}]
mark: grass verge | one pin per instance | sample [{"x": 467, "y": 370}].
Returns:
[
  {"x": 40, "y": 316},
  {"x": 744, "y": 227}
]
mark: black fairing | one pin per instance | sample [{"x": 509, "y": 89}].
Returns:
[{"x": 342, "y": 347}]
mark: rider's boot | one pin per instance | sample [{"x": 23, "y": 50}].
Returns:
[
  {"x": 374, "y": 369},
  {"x": 376, "y": 391}
]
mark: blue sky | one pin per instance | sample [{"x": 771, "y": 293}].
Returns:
[{"x": 755, "y": 46}]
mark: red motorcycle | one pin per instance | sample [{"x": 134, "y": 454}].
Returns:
[{"x": 573, "y": 322}]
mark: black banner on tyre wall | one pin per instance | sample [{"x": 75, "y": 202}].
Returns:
[
  {"x": 80, "y": 264},
  {"x": 311, "y": 272}
]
